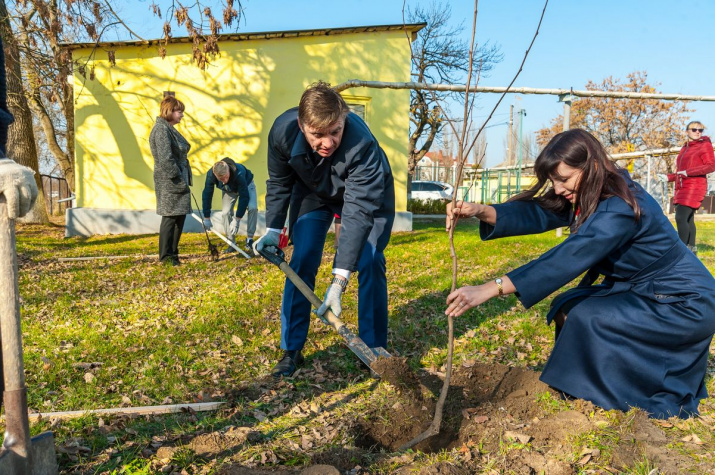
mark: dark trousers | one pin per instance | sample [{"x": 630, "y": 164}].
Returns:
[
  {"x": 169, "y": 235},
  {"x": 685, "y": 221},
  {"x": 308, "y": 237}
]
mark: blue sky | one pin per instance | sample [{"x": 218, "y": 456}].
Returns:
[{"x": 578, "y": 41}]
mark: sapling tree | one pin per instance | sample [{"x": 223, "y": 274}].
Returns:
[{"x": 465, "y": 146}]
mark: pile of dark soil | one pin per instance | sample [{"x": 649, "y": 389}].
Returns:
[
  {"x": 489, "y": 407},
  {"x": 489, "y": 404}
]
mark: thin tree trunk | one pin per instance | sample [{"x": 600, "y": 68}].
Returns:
[
  {"x": 62, "y": 89},
  {"x": 21, "y": 145},
  {"x": 63, "y": 159}
]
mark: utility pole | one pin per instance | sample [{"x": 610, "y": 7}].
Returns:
[
  {"x": 509, "y": 154},
  {"x": 567, "y": 99},
  {"x": 522, "y": 114}
]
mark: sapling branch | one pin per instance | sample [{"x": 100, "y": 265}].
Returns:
[{"x": 462, "y": 154}]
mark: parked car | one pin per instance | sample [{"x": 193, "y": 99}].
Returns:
[{"x": 431, "y": 190}]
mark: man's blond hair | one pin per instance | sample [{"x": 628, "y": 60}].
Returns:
[
  {"x": 321, "y": 106},
  {"x": 168, "y": 106},
  {"x": 220, "y": 169}
]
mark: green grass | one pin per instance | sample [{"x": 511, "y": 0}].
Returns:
[{"x": 107, "y": 333}]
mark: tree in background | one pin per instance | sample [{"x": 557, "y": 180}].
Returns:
[
  {"x": 200, "y": 24},
  {"x": 21, "y": 145},
  {"x": 42, "y": 95},
  {"x": 625, "y": 125},
  {"x": 39, "y": 69},
  {"x": 438, "y": 57}
]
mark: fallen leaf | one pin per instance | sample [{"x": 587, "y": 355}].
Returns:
[
  {"x": 47, "y": 364},
  {"x": 662, "y": 423},
  {"x": 693, "y": 439},
  {"x": 236, "y": 340},
  {"x": 585, "y": 459},
  {"x": 88, "y": 377},
  {"x": 523, "y": 438}
]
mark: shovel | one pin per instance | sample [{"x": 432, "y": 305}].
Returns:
[
  {"x": 225, "y": 239},
  {"x": 212, "y": 247},
  {"x": 20, "y": 454},
  {"x": 366, "y": 354}
]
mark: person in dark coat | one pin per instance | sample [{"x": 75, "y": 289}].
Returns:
[
  {"x": 694, "y": 162},
  {"x": 172, "y": 177},
  {"x": 322, "y": 161},
  {"x": 236, "y": 184},
  {"x": 641, "y": 337}
]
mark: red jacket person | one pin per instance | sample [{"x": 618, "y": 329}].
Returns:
[{"x": 694, "y": 162}]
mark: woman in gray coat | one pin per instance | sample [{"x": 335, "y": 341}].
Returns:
[{"x": 172, "y": 177}]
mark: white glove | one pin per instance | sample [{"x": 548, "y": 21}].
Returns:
[
  {"x": 207, "y": 224},
  {"x": 18, "y": 185},
  {"x": 233, "y": 227},
  {"x": 332, "y": 301},
  {"x": 662, "y": 177},
  {"x": 271, "y": 238},
  {"x": 683, "y": 172}
]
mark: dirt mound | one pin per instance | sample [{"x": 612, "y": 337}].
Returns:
[
  {"x": 495, "y": 416},
  {"x": 489, "y": 405},
  {"x": 479, "y": 391},
  {"x": 390, "y": 426},
  {"x": 395, "y": 371}
]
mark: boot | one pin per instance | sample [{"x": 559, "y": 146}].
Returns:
[{"x": 288, "y": 364}]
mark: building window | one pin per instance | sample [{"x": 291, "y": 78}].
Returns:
[
  {"x": 359, "y": 105},
  {"x": 359, "y": 109}
]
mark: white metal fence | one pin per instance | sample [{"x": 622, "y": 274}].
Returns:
[{"x": 496, "y": 185}]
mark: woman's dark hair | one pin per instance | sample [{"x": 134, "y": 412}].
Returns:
[{"x": 600, "y": 178}]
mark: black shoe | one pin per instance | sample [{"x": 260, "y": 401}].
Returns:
[
  {"x": 170, "y": 261},
  {"x": 229, "y": 250},
  {"x": 249, "y": 246},
  {"x": 288, "y": 364}
]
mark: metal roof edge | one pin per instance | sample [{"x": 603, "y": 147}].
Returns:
[{"x": 260, "y": 35}]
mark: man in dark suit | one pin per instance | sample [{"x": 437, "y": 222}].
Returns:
[{"x": 322, "y": 161}]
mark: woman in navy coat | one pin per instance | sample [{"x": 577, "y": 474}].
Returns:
[{"x": 641, "y": 337}]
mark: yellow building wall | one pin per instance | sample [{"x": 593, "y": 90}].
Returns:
[{"x": 230, "y": 107}]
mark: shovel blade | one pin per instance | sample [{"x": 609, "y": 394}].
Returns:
[
  {"x": 42, "y": 458},
  {"x": 366, "y": 354}
]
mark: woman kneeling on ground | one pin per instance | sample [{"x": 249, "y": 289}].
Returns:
[{"x": 641, "y": 337}]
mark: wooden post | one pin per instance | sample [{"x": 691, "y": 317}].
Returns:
[{"x": 17, "y": 436}]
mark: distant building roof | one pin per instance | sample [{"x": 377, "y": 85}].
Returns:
[{"x": 412, "y": 28}]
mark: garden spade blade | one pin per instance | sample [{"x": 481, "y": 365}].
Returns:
[
  {"x": 20, "y": 454},
  {"x": 213, "y": 250},
  {"x": 366, "y": 354}
]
